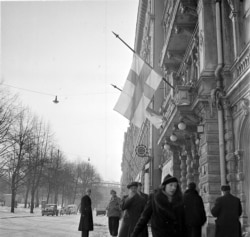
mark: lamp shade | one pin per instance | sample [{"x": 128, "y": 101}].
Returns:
[
  {"x": 166, "y": 146},
  {"x": 182, "y": 125},
  {"x": 173, "y": 137}
]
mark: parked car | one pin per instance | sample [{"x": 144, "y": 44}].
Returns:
[
  {"x": 71, "y": 209},
  {"x": 50, "y": 209}
]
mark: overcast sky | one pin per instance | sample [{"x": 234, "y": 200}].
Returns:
[{"x": 66, "y": 48}]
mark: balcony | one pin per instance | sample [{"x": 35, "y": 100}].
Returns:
[{"x": 179, "y": 21}]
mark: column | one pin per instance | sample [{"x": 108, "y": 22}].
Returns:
[
  {"x": 189, "y": 161},
  {"x": 183, "y": 179},
  {"x": 231, "y": 163},
  {"x": 195, "y": 142}
]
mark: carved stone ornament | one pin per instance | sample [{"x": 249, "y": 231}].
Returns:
[
  {"x": 230, "y": 3},
  {"x": 244, "y": 106}
]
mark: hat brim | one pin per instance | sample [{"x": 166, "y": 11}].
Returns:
[
  {"x": 170, "y": 180},
  {"x": 132, "y": 185}
]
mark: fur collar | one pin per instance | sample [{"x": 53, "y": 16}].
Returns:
[{"x": 164, "y": 208}]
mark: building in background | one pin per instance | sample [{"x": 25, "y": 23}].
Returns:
[{"x": 202, "y": 50}]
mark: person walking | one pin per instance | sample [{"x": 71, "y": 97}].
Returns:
[
  {"x": 114, "y": 213},
  {"x": 86, "y": 219},
  {"x": 195, "y": 215},
  {"x": 166, "y": 210},
  {"x": 227, "y": 209},
  {"x": 132, "y": 205}
]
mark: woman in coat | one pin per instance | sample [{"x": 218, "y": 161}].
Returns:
[
  {"x": 114, "y": 213},
  {"x": 86, "y": 220},
  {"x": 166, "y": 210}
]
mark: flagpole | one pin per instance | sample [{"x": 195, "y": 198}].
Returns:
[
  {"x": 117, "y": 36},
  {"x": 116, "y": 87}
]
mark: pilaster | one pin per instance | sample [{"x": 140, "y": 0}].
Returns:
[{"x": 209, "y": 162}]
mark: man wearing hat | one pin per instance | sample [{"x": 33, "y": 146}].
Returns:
[
  {"x": 132, "y": 205},
  {"x": 227, "y": 209}
]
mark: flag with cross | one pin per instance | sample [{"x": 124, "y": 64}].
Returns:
[{"x": 139, "y": 88}]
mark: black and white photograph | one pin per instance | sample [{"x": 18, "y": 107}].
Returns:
[{"x": 125, "y": 118}]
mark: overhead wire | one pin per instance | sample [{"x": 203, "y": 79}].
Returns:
[{"x": 62, "y": 95}]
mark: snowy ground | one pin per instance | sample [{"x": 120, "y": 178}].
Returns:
[{"x": 24, "y": 224}]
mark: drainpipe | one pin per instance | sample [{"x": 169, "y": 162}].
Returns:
[{"x": 219, "y": 92}]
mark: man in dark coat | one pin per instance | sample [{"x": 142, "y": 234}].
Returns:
[
  {"x": 86, "y": 220},
  {"x": 195, "y": 215},
  {"x": 227, "y": 209},
  {"x": 132, "y": 205}
]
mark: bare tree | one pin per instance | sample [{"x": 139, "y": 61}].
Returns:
[
  {"x": 20, "y": 134},
  {"x": 7, "y": 117},
  {"x": 39, "y": 157}
]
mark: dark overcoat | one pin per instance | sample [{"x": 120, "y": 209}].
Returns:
[
  {"x": 195, "y": 214},
  {"x": 227, "y": 209},
  {"x": 86, "y": 219},
  {"x": 167, "y": 219},
  {"x": 132, "y": 207}
]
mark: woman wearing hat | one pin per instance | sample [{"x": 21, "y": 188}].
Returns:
[{"x": 166, "y": 210}]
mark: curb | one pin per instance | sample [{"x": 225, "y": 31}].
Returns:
[{"x": 7, "y": 217}]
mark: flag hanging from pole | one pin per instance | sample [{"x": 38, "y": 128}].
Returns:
[
  {"x": 139, "y": 88},
  {"x": 155, "y": 118}
]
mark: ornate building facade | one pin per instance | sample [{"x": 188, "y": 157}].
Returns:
[{"x": 202, "y": 50}]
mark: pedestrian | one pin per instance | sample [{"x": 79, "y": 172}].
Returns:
[
  {"x": 165, "y": 209},
  {"x": 114, "y": 213},
  {"x": 86, "y": 219},
  {"x": 227, "y": 209},
  {"x": 132, "y": 205},
  {"x": 195, "y": 215}
]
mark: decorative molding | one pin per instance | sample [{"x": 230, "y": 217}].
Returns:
[
  {"x": 241, "y": 65},
  {"x": 201, "y": 39}
]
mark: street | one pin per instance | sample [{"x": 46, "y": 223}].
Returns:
[
  {"x": 23, "y": 224},
  {"x": 40, "y": 226}
]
